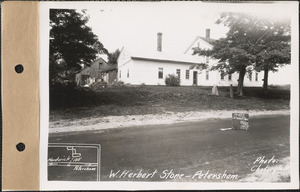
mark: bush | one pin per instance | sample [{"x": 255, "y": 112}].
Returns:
[
  {"x": 118, "y": 84},
  {"x": 98, "y": 85},
  {"x": 172, "y": 80}
]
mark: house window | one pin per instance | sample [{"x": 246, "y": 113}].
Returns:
[
  {"x": 178, "y": 73},
  {"x": 160, "y": 73},
  {"x": 120, "y": 74},
  {"x": 250, "y": 76},
  {"x": 198, "y": 44},
  {"x": 187, "y": 74},
  {"x": 222, "y": 75},
  {"x": 229, "y": 77},
  {"x": 207, "y": 75},
  {"x": 256, "y": 76},
  {"x": 127, "y": 73}
]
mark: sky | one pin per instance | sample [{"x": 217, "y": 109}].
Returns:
[{"x": 135, "y": 25}]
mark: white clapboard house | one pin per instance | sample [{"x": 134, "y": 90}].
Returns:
[{"x": 152, "y": 67}]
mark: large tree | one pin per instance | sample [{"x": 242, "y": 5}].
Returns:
[
  {"x": 273, "y": 47},
  {"x": 250, "y": 43},
  {"x": 234, "y": 53},
  {"x": 72, "y": 43}
]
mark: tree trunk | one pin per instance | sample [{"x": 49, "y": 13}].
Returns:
[
  {"x": 241, "y": 81},
  {"x": 231, "y": 91},
  {"x": 265, "y": 85}
]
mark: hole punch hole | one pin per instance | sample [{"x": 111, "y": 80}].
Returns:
[
  {"x": 19, "y": 68},
  {"x": 20, "y": 147}
]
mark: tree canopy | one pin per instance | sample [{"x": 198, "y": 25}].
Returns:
[
  {"x": 72, "y": 43},
  {"x": 113, "y": 57},
  {"x": 273, "y": 48}
]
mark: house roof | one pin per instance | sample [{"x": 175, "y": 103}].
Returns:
[
  {"x": 92, "y": 63},
  {"x": 207, "y": 40},
  {"x": 110, "y": 68},
  {"x": 153, "y": 55},
  {"x": 166, "y": 57},
  {"x": 100, "y": 58}
]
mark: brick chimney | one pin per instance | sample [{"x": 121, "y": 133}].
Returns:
[
  {"x": 159, "y": 42},
  {"x": 207, "y": 33}
]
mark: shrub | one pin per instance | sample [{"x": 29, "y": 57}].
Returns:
[
  {"x": 172, "y": 80},
  {"x": 118, "y": 84},
  {"x": 98, "y": 85}
]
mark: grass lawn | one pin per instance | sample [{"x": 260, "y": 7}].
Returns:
[{"x": 159, "y": 99}]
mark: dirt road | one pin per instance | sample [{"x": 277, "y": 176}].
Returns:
[{"x": 189, "y": 149}]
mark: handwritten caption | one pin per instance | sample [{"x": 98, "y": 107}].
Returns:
[
  {"x": 171, "y": 174},
  {"x": 264, "y": 164}
]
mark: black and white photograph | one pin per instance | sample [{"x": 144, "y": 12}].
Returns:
[{"x": 169, "y": 93}]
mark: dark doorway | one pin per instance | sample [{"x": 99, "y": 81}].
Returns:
[{"x": 195, "y": 78}]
